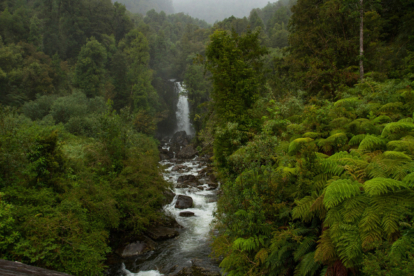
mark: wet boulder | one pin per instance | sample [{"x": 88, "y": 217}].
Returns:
[
  {"x": 138, "y": 248},
  {"x": 187, "y": 214},
  {"x": 178, "y": 168},
  {"x": 187, "y": 152},
  {"x": 180, "y": 138},
  {"x": 160, "y": 233},
  {"x": 187, "y": 178},
  {"x": 168, "y": 197},
  {"x": 184, "y": 202}
]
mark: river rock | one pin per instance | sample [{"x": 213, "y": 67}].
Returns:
[
  {"x": 160, "y": 233},
  {"x": 187, "y": 178},
  {"x": 180, "y": 138},
  {"x": 168, "y": 197},
  {"x": 187, "y": 214},
  {"x": 181, "y": 185},
  {"x": 178, "y": 168},
  {"x": 184, "y": 202},
  {"x": 199, "y": 268},
  {"x": 187, "y": 152},
  {"x": 138, "y": 248},
  {"x": 8, "y": 268},
  {"x": 212, "y": 184}
]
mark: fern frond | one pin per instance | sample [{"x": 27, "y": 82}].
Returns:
[
  {"x": 320, "y": 180},
  {"x": 325, "y": 251},
  {"x": 340, "y": 190},
  {"x": 296, "y": 145},
  {"x": 396, "y": 129},
  {"x": 371, "y": 143},
  {"x": 407, "y": 120},
  {"x": 392, "y": 107},
  {"x": 347, "y": 101},
  {"x": 306, "y": 245},
  {"x": 382, "y": 120},
  {"x": 380, "y": 186},
  {"x": 397, "y": 155},
  {"x": 312, "y": 135},
  {"x": 308, "y": 266},
  {"x": 302, "y": 210},
  {"x": 401, "y": 247},
  {"x": 261, "y": 256},
  {"x": 245, "y": 244},
  {"x": 409, "y": 180},
  {"x": 370, "y": 226},
  {"x": 356, "y": 140},
  {"x": 406, "y": 144}
]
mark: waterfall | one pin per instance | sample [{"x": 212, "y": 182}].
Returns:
[{"x": 183, "y": 111}]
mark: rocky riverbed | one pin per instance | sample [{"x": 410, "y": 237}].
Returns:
[{"x": 178, "y": 245}]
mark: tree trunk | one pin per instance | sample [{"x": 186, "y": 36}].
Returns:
[{"x": 361, "y": 40}]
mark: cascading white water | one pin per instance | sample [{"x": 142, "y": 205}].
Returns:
[
  {"x": 183, "y": 111},
  {"x": 193, "y": 240}
]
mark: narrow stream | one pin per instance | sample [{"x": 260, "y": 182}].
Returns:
[{"x": 193, "y": 242}]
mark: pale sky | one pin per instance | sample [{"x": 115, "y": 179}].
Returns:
[{"x": 212, "y": 10}]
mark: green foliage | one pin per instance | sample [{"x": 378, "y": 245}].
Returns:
[{"x": 90, "y": 68}]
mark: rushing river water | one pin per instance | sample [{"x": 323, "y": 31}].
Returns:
[{"x": 193, "y": 242}]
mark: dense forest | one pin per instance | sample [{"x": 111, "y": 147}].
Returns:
[{"x": 305, "y": 107}]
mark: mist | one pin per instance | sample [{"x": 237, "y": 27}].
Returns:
[{"x": 213, "y": 10}]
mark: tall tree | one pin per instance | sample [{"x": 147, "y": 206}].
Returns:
[{"x": 90, "y": 68}]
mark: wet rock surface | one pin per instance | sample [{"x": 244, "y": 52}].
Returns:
[
  {"x": 138, "y": 248},
  {"x": 184, "y": 202},
  {"x": 187, "y": 152},
  {"x": 187, "y": 214},
  {"x": 160, "y": 233}
]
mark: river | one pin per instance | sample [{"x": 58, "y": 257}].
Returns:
[{"x": 193, "y": 242}]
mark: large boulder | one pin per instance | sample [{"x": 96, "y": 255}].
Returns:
[
  {"x": 184, "y": 202},
  {"x": 187, "y": 152},
  {"x": 160, "y": 233},
  {"x": 180, "y": 138},
  {"x": 138, "y": 248}
]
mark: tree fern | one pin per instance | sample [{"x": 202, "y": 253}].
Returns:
[
  {"x": 397, "y": 155},
  {"x": 382, "y": 119},
  {"x": 356, "y": 140},
  {"x": 371, "y": 143},
  {"x": 347, "y": 102},
  {"x": 392, "y": 107},
  {"x": 308, "y": 266},
  {"x": 312, "y": 135},
  {"x": 406, "y": 144},
  {"x": 398, "y": 129},
  {"x": 296, "y": 145},
  {"x": 302, "y": 210},
  {"x": 406, "y": 120},
  {"x": 331, "y": 167},
  {"x": 306, "y": 245},
  {"x": 340, "y": 190},
  {"x": 370, "y": 225},
  {"x": 409, "y": 180},
  {"x": 325, "y": 251},
  {"x": 380, "y": 186}
]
